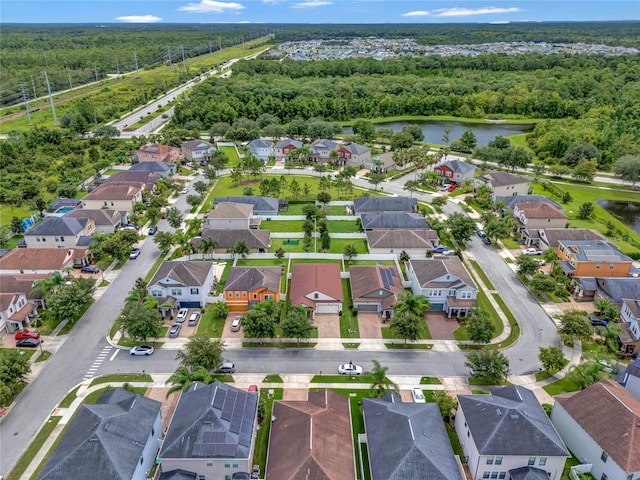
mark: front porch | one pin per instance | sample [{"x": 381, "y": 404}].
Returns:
[{"x": 459, "y": 307}]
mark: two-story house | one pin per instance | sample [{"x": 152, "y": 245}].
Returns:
[
  {"x": 228, "y": 215},
  {"x": 600, "y": 426},
  {"x": 121, "y": 196},
  {"x": 393, "y": 220},
  {"x": 164, "y": 169},
  {"x": 15, "y": 311},
  {"x": 592, "y": 258},
  {"x": 538, "y": 215},
  {"x": 197, "y": 150},
  {"x": 317, "y": 287},
  {"x": 629, "y": 333},
  {"x": 262, "y": 206},
  {"x": 455, "y": 171},
  {"x": 375, "y": 288},
  {"x": 445, "y": 282},
  {"x": 321, "y": 150},
  {"x": 284, "y": 147},
  {"x": 182, "y": 284},
  {"x": 416, "y": 241},
  {"x": 155, "y": 152},
  {"x": 263, "y": 149},
  {"x": 43, "y": 260},
  {"x": 354, "y": 155},
  {"x": 247, "y": 286},
  {"x": 504, "y": 183},
  {"x": 59, "y": 232},
  {"x": 106, "y": 221},
  {"x": 548, "y": 238},
  {"x": 507, "y": 431},
  {"x": 382, "y": 163}
]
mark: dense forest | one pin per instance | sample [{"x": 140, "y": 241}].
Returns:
[{"x": 598, "y": 96}]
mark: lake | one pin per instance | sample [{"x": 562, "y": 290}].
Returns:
[
  {"x": 627, "y": 212},
  {"x": 434, "y": 130}
]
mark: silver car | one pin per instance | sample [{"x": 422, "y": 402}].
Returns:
[
  {"x": 141, "y": 350},
  {"x": 174, "y": 331}
]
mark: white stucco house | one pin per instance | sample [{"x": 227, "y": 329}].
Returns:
[
  {"x": 182, "y": 284},
  {"x": 263, "y": 149}
]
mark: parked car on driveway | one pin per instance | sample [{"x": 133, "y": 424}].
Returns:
[
  {"x": 141, "y": 350},
  {"x": 531, "y": 251},
  {"x": 28, "y": 343},
  {"x": 27, "y": 334},
  {"x": 184, "y": 190},
  {"x": 227, "y": 367},
  {"x": 598, "y": 322},
  {"x": 174, "y": 331},
  {"x": 89, "y": 269},
  {"x": 440, "y": 249},
  {"x": 182, "y": 315},
  {"x": 193, "y": 319},
  {"x": 235, "y": 325},
  {"x": 350, "y": 369},
  {"x": 418, "y": 395},
  {"x": 135, "y": 253},
  {"x": 445, "y": 187}
]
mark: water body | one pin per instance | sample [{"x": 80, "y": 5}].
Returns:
[
  {"x": 434, "y": 130},
  {"x": 627, "y": 212}
]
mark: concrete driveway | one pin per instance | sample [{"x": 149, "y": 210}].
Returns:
[
  {"x": 226, "y": 332},
  {"x": 440, "y": 326},
  {"x": 369, "y": 324},
  {"x": 328, "y": 325}
]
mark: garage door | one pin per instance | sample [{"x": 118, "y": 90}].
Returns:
[
  {"x": 328, "y": 308},
  {"x": 437, "y": 307},
  {"x": 367, "y": 307},
  {"x": 190, "y": 305}
]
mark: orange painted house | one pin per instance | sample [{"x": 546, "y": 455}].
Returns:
[
  {"x": 247, "y": 286},
  {"x": 592, "y": 258}
]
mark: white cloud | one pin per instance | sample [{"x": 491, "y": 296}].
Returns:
[
  {"x": 465, "y": 12},
  {"x": 139, "y": 18},
  {"x": 416, "y": 13},
  {"x": 210, "y": 6},
  {"x": 311, "y": 4},
  {"x": 271, "y": 2}
]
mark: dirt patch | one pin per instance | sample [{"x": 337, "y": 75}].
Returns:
[
  {"x": 573, "y": 305},
  {"x": 168, "y": 404},
  {"x": 295, "y": 394},
  {"x": 328, "y": 325},
  {"x": 369, "y": 324},
  {"x": 440, "y": 326}
]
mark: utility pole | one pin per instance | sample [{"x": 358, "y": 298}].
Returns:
[
  {"x": 169, "y": 57},
  {"x": 26, "y": 105},
  {"x": 33, "y": 84},
  {"x": 184, "y": 64},
  {"x": 69, "y": 75},
  {"x": 135, "y": 58},
  {"x": 53, "y": 108}
]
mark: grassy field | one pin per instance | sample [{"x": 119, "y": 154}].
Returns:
[
  {"x": 563, "y": 385},
  {"x": 232, "y": 154},
  {"x": 7, "y": 212},
  {"x": 296, "y": 209},
  {"x": 282, "y": 226}
]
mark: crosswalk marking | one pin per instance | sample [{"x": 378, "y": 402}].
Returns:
[{"x": 91, "y": 372}]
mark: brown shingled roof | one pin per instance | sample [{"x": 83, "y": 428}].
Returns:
[
  {"x": 540, "y": 210},
  {"x": 115, "y": 191},
  {"x": 610, "y": 415},
  {"x": 28, "y": 259},
  {"x": 366, "y": 280}
]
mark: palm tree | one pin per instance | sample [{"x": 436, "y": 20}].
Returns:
[
  {"x": 379, "y": 381},
  {"x": 410, "y": 303},
  {"x": 241, "y": 248},
  {"x": 136, "y": 295},
  {"x": 183, "y": 378},
  {"x": 208, "y": 245}
]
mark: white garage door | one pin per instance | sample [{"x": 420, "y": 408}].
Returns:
[{"x": 328, "y": 308}]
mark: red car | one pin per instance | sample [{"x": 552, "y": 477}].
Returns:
[
  {"x": 253, "y": 388},
  {"x": 22, "y": 335},
  {"x": 452, "y": 187}
]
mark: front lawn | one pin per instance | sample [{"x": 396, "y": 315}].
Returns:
[
  {"x": 232, "y": 154},
  {"x": 564, "y": 385},
  {"x": 211, "y": 325},
  {"x": 349, "y": 327},
  {"x": 122, "y": 377}
]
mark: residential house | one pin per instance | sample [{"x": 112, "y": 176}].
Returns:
[
  {"x": 322, "y": 150},
  {"x": 505, "y": 431},
  {"x": 212, "y": 432},
  {"x": 414, "y": 242},
  {"x": 613, "y": 288},
  {"x": 121, "y": 196},
  {"x": 592, "y": 258},
  {"x": 317, "y": 286},
  {"x": 393, "y": 220},
  {"x": 232, "y": 216},
  {"x": 182, "y": 284},
  {"x": 149, "y": 179},
  {"x": 382, "y": 163},
  {"x": 548, "y": 238},
  {"x": 354, "y": 155},
  {"x": 263, "y": 149},
  {"x": 179, "y": 474},
  {"x": 258, "y": 241},
  {"x": 247, "y": 286},
  {"x": 375, "y": 288},
  {"x": 538, "y": 215},
  {"x": 631, "y": 379},
  {"x": 155, "y": 152},
  {"x": 263, "y": 206},
  {"x": 285, "y": 146},
  {"x": 311, "y": 439},
  {"x": 600, "y": 426},
  {"x": 23, "y": 284},
  {"x": 445, "y": 282},
  {"x": 504, "y": 184},
  {"x": 197, "y": 150},
  {"x": 59, "y": 232},
  {"x": 455, "y": 171},
  {"x": 16, "y": 311},
  {"x": 60, "y": 206},
  {"x": 408, "y": 441},
  {"x": 629, "y": 333},
  {"x": 384, "y": 204},
  {"x": 163, "y": 169},
  {"x": 106, "y": 221},
  {"x": 43, "y": 260},
  {"x": 510, "y": 201},
  {"x": 116, "y": 438}
]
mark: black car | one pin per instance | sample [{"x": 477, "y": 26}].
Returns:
[
  {"x": 486, "y": 240},
  {"x": 28, "y": 343},
  {"x": 598, "y": 322},
  {"x": 90, "y": 269},
  {"x": 153, "y": 230}
]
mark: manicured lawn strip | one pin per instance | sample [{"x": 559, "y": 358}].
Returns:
[
  {"x": 73, "y": 322},
  {"x": 482, "y": 275},
  {"x": 282, "y": 226},
  {"x": 27, "y": 352},
  {"x": 211, "y": 325},
  {"x": 223, "y": 378},
  {"x": 349, "y": 327},
  {"x": 34, "y": 447},
  {"x": 69, "y": 398},
  {"x": 336, "y": 378},
  {"x": 128, "y": 342},
  {"x": 515, "y": 327},
  {"x": 302, "y": 344},
  {"x": 262, "y": 437},
  {"x": 481, "y": 392},
  {"x": 430, "y": 381},
  {"x": 455, "y": 442},
  {"x": 372, "y": 262},
  {"x": 460, "y": 333},
  {"x": 273, "y": 378},
  {"x": 543, "y": 375},
  {"x": 510, "y": 243},
  {"x": 351, "y": 345},
  {"x": 343, "y": 226},
  {"x": 44, "y": 355},
  {"x": 122, "y": 377},
  {"x": 408, "y": 346},
  {"x": 387, "y": 333},
  {"x": 564, "y": 385},
  {"x": 338, "y": 244},
  {"x": 484, "y": 381}
]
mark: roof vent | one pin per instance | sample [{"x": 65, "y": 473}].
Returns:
[
  {"x": 515, "y": 416},
  {"x": 498, "y": 411}
]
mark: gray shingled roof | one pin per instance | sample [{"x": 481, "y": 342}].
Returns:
[
  {"x": 104, "y": 441},
  {"x": 196, "y": 145},
  {"x": 260, "y": 143},
  {"x": 554, "y": 235},
  {"x": 429, "y": 270},
  {"x": 229, "y": 238},
  {"x": 58, "y": 226},
  {"x": 322, "y": 144},
  {"x": 408, "y": 441},
  {"x": 178, "y": 474},
  {"x": 259, "y": 203},
  {"x": 252, "y": 278},
  {"x": 211, "y": 421},
  {"x": 189, "y": 274},
  {"x": 384, "y": 220},
  {"x": 384, "y": 204},
  {"x": 511, "y": 201},
  {"x": 458, "y": 166},
  {"x": 148, "y": 178},
  {"x": 100, "y": 217},
  {"x": 528, "y": 473},
  {"x": 356, "y": 148},
  {"x": 160, "y": 167},
  {"x": 499, "y": 179},
  {"x": 594, "y": 251},
  {"x": 288, "y": 141},
  {"x": 510, "y": 421},
  {"x": 633, "y": 368},
  {"x": 399, "y": 239},
  {"x": 614, "y": 288}
]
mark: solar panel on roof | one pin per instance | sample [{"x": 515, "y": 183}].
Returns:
[
  {"x": 391, "y": 273},
  {"x": 236, "y": 421},
  {"x": 218, "y": 399},
  {"x": 229, "y": 405},
  {"x": 245, "y": 438}
]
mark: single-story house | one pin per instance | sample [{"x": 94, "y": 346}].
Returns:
[
  {"x": 631, "y": 379},
  {"x": 317, "y": 286},
  {"x": 264, "y": 206},
  {"x": 414, "y": 242},
  {"x": 43, "y": 260},
  {"x": 629, "y": 333},
  {"x": 445, "y": 282},
  {"x": 116, "y": 438},
  {"x": 163, "y": 169},
  {"x": 59, "y": 232},
  {"x": 592, "y": 258},
  {"x": 546, "y": 238},
  {"x": 393, "y": 220},
  {"x": 258, "y": 241},
  {"x": 283, "y": 147},
  {"x": 408, "y": 441},
  {"x": 508, "y": 430},
  {"x": 354, "y": 155},
  {"x": 197, "y": 150},
  {"x": 16, "y": 311},
  {"x": 382, "y": 163},
  {"x": 212, "y": 432},
  {"x": 311, "y": 439},
  {"x": 121, "y": 196},
  {"x": 187, "y": 284},
  {"x": 375, "y": 288},
  {"x": 231, "y": 216},
  {"x": 155, "y": 152},
  {"x": 106, "y": 221},
  {"x": 538, "y": 215},
  {"x": 247, "y": 286},
  {"x": 504, "y": 184},
  {"x": 455, "y": 171},
  {"x": 321, "y": 149},
  {"x": 263, "y": 149},
  {"x": 384, "y": 204},
  {"x": 600, "y": 426}
]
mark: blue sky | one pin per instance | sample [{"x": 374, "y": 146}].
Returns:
[{"x": 314, "y": 11}]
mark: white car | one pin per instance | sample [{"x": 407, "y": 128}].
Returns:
[
  {"x": 539, "y": 261},
  {"x": 184, "y": 190},
  {"x": 531, "y": 251},
  {"x": 418, "y": 395},
  {"x": 182, "y": 315},
  {"x": 350, "y": 369},
  {"x": 141, "y": 350}
]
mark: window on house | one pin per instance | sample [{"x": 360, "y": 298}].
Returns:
[
  {"x": 227, "y": 464},
  {"x": 44, "y": 239},
  {"x": 195, "y": 291},
  {"x": 176, "y": 291},
  {"x": 597, "y": 265},
  {"x": 611, "y": 266},
  {"x": 255, "y": 296},
  {"x": 37, "y": 239},
  {"x": 502, "y": 475},
  {"x": 604, "y": 476},
  {"x": 57, "y": 239},
  {"x": 112, "y": 204},
  {"x": 237, "y": 294},
  {"x": 498, "y": 460},
  {"x": 244, "y": 294},
  {"x": 532, "y": 461},
  {"x": 105, "y": 204},
  {"x": 315, "y": 295},
  {"x": 156, "y": 293},
  {"x": 494, "y": 474},
  {"x": 604, "y": 457},
  {"x": 630, "y": 476},
  {"x": 62, "y": 239},
  {"x": 486, "y": 474},
  {"x": 543, "y": 461},
  {"x": 201, "y": 477},
  {"x": 153, "y": 432},
  {"x": 141, "y": 460},
  {"x": 235, "y": 464},
  {"x": 489, "y": 460},
  {"x": 209, "y": 463}
]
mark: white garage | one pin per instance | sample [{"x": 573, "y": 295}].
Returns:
[{"x": 328, "y": 307}]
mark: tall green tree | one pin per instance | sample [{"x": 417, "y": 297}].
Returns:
[
  {"x": 446, "y": 404},
  {"x": 552, "y": 359},
  {"x": 183, "y": 378},
  {"x": 489, "y": 365},
  {"x": 350, "y": 251},
  {"x": 587, "y": 373},
  {"x": 174, "y": 217},
  {"x": 410, "y": 303},
  {"x": 380, "y": 383},
  {"x": 201, "y": 352},
  {"x": 480, "y": 327},
  {"x": 527, "y": 265},
  {"x": 14, "y": 368},
  {"x": 140, "y": 322},
  {"x": 461, "y": 227},
  {"x": 164, "y": 240},
  {"x": 575, "y": 325},
  {"x": 627, "y": 167},
  {"x": 297, "y": 324},
  {"x": 407, "y": 326},
  {"x": 259, "y": 323}
]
